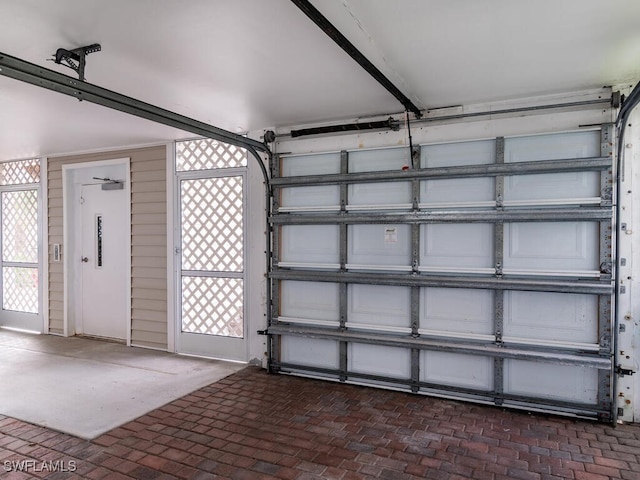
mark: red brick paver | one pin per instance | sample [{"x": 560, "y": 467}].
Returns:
[{"x": 252, "y": 425}]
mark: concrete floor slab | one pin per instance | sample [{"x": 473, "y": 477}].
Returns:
[{"x": 86, "y": 387}]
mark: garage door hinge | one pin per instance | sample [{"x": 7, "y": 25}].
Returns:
[{"x": 624, "y": 371}]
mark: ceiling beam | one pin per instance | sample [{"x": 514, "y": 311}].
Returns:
[
  {"x": 24, "y": 71},
  {"x": 327, "y": 27}
]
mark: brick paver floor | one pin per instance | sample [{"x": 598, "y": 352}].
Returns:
[{"x": 252, "y": 425}]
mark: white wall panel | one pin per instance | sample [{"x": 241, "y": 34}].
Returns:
[
  {"x": 310, "y": 243},
  {"x": 379, "y": 245},
  {"x": 310, "y": 300},
  {"x": 562, "y": 317},
  {"x": 379, "y": 360},
  {"x": 551, "y": 246},
  {"x": 552, "y": 147},
  {"x": 462, "y": 190},
  {"x": 379, "y": 305},
  {"x": 459, "y": 310},
  {"x": 310, "y": 352},
  {"x": 545, "y": 380},
  {"x": 457, "y": 245},
  {"x": 456, "y": 369}
]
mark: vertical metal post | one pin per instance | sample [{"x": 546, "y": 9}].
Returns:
[
  {"x": 415, "y": 263},
  {"x": 606, "y": 322},
  {"x": 343, "y": 247},
  {"x": 274, "y": 341},
  {"x": 498, "y": 294}
]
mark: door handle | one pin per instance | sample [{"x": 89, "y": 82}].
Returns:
[{"x": 84, "y": 259}]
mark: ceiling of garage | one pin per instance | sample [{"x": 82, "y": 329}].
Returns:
[{"x": 252, "y": 64}]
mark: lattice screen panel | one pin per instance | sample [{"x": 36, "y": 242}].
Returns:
[
  {"x": 212, "y": 306},
  {"x": 20, "y": 226},
  {"x": 207, "y": 154},
  {"x": 20, "y": 172},
  {"x": 212, "y": 224},
  {"x": 20, "y": 289}
]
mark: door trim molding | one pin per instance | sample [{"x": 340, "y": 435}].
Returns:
[{"x": 68, "y": 223}]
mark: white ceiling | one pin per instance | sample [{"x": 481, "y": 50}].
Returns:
[{"x": 252, "y": 64}]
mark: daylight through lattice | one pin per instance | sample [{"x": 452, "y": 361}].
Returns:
[
  {"x": 20, "y": 172},
  {"x": 212, "y": 306},
  {"x": 212, "y": 216},
  {"x": 20, "y": 226},
  {"x": 20, "y": 289},
  {"x": 208, "y": 154}
]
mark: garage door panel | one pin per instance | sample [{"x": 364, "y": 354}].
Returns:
[
  {"x": 452, "y": 192},
  {"x": 310, "y": 244},
  {"x": 460, "y": 245},
  {"x": 552, "y": 186},
  {"x": 325, "y": 196},
  {"x": 558, "y": 186},
  {"x": 320, "y": 164},
  {"x": 545, "y": 380},
  {"x": 558, "y": 146},
  {"x": 379, "y": 159},
  {"x": 551, "y": 246},
  {"x": 395, "y": 193},
  {"x": 459, "y": 370},
  {"x": 383, "y": 245},
  {"x": 457, "y": 191},
  {"x": 393, "y": 362},
  {"x": 458, "y": 154},
  {"x": 379, "y": 305},
  {"x": 310, "y": 352},
  {"x": 310, "y": 300},
  {"x": 551, "y": 316},
  {"x": 458, "y": 310}
]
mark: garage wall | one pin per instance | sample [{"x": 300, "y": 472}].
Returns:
[{"x": 148, "y": 242}]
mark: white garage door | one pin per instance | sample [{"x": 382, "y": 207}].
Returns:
[{"x": 477, "y": 270}]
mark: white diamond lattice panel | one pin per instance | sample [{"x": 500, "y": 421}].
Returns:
[
  {"x": 207, "y": 154},
  {"x": 20, "y": 226},
  {"x": 20, "y": 172},
  {"x": 212, "y": 230},
  {"x": 20, "y": 289},
  {"x": 212, "y": 306}
]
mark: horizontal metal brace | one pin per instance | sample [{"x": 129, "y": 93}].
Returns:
[
  {"x": 42, "y": 77},
  {"x": 482, "y": 216},
  {"x": 422, "y": 343},
  {"x": 439, "y": 173},
  {"x": 583, "y": 410},
  {"x": 448, "y": 281}
]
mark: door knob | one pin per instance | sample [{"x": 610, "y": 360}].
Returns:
[{"x": 85, "y": 259}]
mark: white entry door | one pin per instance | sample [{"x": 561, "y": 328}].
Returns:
[
  {"x": 212, "y": 263},
  {"x": 103, "y": 258}
]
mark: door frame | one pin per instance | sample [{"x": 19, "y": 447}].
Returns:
[{"x": 71, "y": 272}]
